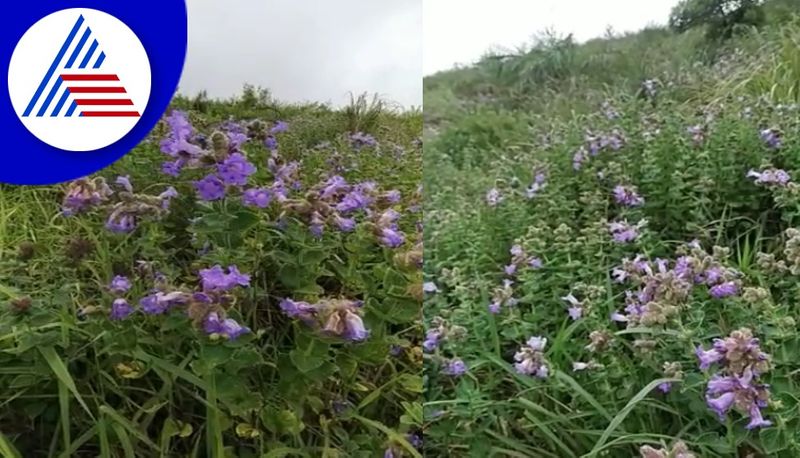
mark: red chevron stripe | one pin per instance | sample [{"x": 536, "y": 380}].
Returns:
[
  {"x": 90, "y": 77},
  {"x": 127, "y": 102},
  {"x": 97, "y": 90},
  {"x": 111, "y": 114}
]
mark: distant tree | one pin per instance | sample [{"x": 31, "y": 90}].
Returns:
[{"x": 721, "y": 17}]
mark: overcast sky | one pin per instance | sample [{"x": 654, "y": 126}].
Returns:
[
  {"x": 306, "y": 50},
  {"x": 460, "y": 31}
]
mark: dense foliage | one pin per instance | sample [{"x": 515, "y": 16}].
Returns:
[
  {"x": 245, "y": 283},
  {"x": 611, "y": 238}
]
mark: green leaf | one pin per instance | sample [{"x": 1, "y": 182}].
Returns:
[
  {"x": 60, "y": 370},
  {"x": 410, "y": 383},
  {"x": 311, "y": 357},
  {"x": 620, "y": 417}
]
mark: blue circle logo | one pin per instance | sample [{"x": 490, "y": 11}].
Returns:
[{"x": 86, "y": 84}]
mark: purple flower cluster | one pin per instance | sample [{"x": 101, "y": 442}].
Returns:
[
  {"x": 736, "y": 385},
  {"x": 594, "y": 144},
  {"x": 772, "y": 137},
  {"x": 609, "y": 111},
  {"x": 662, "y": 286},
  {"x": 206, "y": 308},
  {"x": 539, "y": 182},
  {"x": 530, "y": 358},
  {"x": 360, "y": 140},
  {"x": 503, "y": 296},
  {"x": 698, "y": 133},
  {"x": 215, "y": 279},
  {"x": 455, "y": 368},
  {"x": 125, "y": 212},
  {"x": 120, "y": 308},
  {"x": 575, "y": 307},
  {"x": 770, "y": 177},
  {"x": 130, "y": 208},
  {"x": 387, "y": 230},
  {"x": 624, "y": 232},
  {"x": 336, "y": 202},
  {"x": 179, "y": 144},
  {"x": 493, "y": 197},
  {"x": 334, "y": 317},
  {"x": 520, "y": 259},
  {"x": 627, "y": 196},
  {"x": 83, "y": 194}
]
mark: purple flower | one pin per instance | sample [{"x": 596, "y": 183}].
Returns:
[
  {"x": 579, "y": 158},
  {"x": 125, "y": 182},
  {"x": 353, "y": 201},
  {"x": 455, "y": 367},
  {"x": 298, "y": 309},
  {"x": 770, "y": 177},
  {"x": 722, "y": 404},
  {"x": 707, "y": 358},
  {"x": 167, "y": 196},
  {"x": 158, "y": 303},
  {"x": 271, "y": 143},
  {"x": 279, "y": 127},
  {"x": 393, "y": 196},
  {"x": 333, "y": 186},
  {"x": 430, "y": 287},
  {"x": 173, "y": 169},
  {"x": 235, "y": 170},
  {"x": 415, "y": 440},
  {"x": 257, "y": 197},
  {"x": 628, "y": 196},
  {"x": 236, "y": 140},
  {"x": 726, "y": 289},
  {"x": 756, "y": 419},
  {"x": 772, "y": 137},
  {"x": 121, "y": 222},
  {"x": 119, "y": 285},
  {"x": 344, "y": 224},
  {"x": 360, "y": 140},
  {"x": 576, "y": 307},
  {"x": 354, "y": 327},
  {"x": 665, "y": 387},
  {"x": 494, "y": 307},
  {"x": 624, "y": 232},
  {"x": 431, "y": 341},
  {"x": 120, "y": 309},
  {"x": 391, "y": 238},
  {"x": 228, "y": 328},
  {"x": 493, "y": 197},
  {"x": 510, "y": 269},
  {"x": 215, "y": 278},
  {"x": 177, "y": 142},
  {"x": 210, "y": 188}
]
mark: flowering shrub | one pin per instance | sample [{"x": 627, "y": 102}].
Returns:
[
  {"x": 227, "y": 289},
  {"x": 653, "y": 255}
]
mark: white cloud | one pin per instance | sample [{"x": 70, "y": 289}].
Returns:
[
  {"x": 460, "y": 31},
  {"x": 306, "y": 50}
]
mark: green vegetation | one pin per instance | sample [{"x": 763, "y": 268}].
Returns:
[
  {"x": 535, "y": 163},
  {"x": 118, "y": 337}
]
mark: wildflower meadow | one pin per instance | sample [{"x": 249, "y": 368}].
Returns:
[
  {"x": 612, "y": 235},
  {"x": 247, "y": 282}
]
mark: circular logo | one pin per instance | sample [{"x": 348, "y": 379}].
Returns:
[{"x": 79, "y": 79}]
